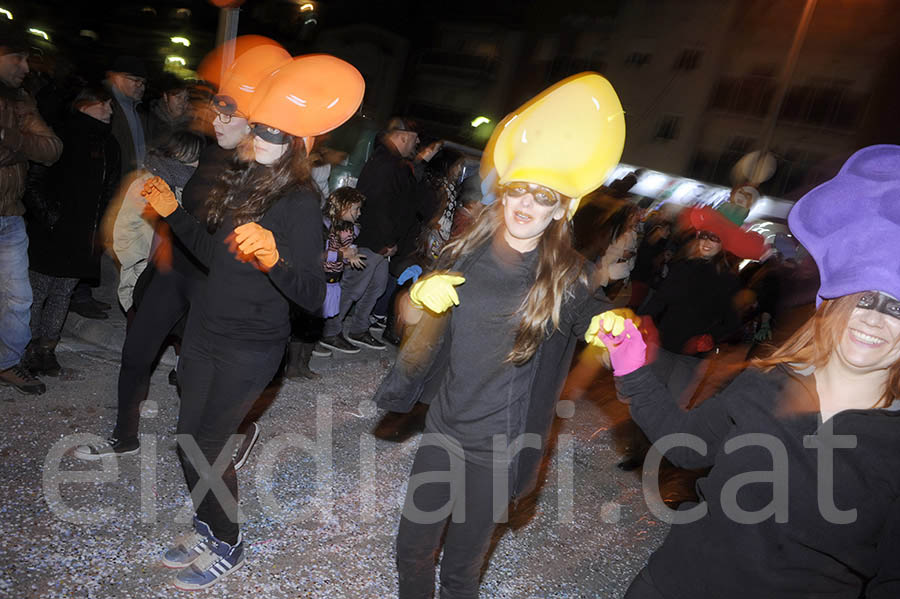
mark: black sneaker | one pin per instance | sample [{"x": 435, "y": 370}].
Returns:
[
  {"x": 173, "y": 377},
  {"x": 111, "y": 446},
  {"x": 88, "y": 310},
  {"x": 242, "y": 451},
  {"x": 366, "y": 339},
  {"x": 23, "y": 381},
  {"x": 338, "y": 343},
  {"x": 377, "y": 323},
  {"x": 321, "y": 351}
]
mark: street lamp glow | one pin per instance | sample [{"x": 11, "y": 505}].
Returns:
[
  {"x": 480, "y": 120},
  {"x": 8, "y": 14},
  {"x": 307, "y": 6},
  {"x": 39, "y": 33},
  {"x": 177, "y": 59},
  {"x": 181, "y": 40}
]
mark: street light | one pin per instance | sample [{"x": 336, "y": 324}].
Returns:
[
  {"x": 5, "y": 12},
  {"x": 480, "y": 120},
  {"x": 177, "y": 59},
  {"x": 307, "y": 6},
  {"x": 181, "y": 40},
  {"x": 39, "y": 33}
]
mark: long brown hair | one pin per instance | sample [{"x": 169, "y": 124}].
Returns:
[
  {"x": 248, "y": 189},
  {"x": 814, "y": 342},
  {"x": 559, "y": 268}
]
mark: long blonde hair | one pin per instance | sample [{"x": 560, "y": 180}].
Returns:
[
  {"x": 815, "y": 340},
  {"x": 559, "y": 268}
]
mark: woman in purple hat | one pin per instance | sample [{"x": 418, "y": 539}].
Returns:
[{"x": 803, "y": 495}]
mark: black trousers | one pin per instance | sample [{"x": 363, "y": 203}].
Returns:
[
  {"x": 164, "y": 303},
  {"x": 219, "y": 384},
  {"x": 643, "y": 587},
  {"x": 466, "y": 543}
]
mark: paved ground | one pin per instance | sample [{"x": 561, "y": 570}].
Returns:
[{"x": 585, "y": 543}]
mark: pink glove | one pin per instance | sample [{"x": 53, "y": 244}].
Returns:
[{"x": 627, "y": 352}]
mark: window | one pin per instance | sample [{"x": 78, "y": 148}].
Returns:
[
  {"x": 827, "y": 104},
  {"x": 688, "y": 60},
  {"x": 667, "y": 128},
  {"x": 637, "y": 59},
  {"x": 750, "y": 94}
]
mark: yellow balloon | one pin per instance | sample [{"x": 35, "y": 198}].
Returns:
[{"x": 566, "y": 138}]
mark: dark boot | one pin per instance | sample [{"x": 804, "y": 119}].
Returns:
[
  {"x": 298, "y": 355},
  {"x": 31, "y": 359},
  {"x": 47, "y": 357}
]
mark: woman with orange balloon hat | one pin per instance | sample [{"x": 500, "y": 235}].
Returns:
[
  {"x": 263, "y": 253},
  {"x": 501, "y": 315}
]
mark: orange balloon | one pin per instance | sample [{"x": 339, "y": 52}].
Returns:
[
  {"x": 245, "y": 74},
  {"x": 210, "y": 68},
  {"x": 312, "y": 95}
]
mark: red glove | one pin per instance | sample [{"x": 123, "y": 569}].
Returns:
[{"x": 699, "y": 344}]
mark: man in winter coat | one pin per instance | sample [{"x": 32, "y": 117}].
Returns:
[{"x": 23, "y": 136}]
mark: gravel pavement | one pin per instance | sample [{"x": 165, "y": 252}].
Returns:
[{"x": 312, "y": 532}]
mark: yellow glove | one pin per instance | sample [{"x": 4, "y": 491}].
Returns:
[
  {"x": 436, "y": 292},
  {"x": 159, "y": 196},
  {"x": 612, "y": 321},
  {"x": 255, "y": 240}
]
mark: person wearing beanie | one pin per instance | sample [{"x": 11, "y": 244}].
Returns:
[
  {"x": 491, "y": 332},
  {"x": 262, "y": 242},
  {"x": 802, "y": 498}
]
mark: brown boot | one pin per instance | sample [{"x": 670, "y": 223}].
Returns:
[{"x": 22, "y": 380}]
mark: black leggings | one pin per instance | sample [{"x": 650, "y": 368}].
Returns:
[
  {"x": 466, "y": 543},
  {"x": 163, "y": 304},
  {"x": 219, "y": 384}
]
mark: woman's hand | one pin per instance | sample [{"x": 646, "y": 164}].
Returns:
[
  {"x": 253, "y": 240},
  {"x": 627, "y": 350},
  {"x": 159, "y": 196},
  {"x": 436, "y": 292}
]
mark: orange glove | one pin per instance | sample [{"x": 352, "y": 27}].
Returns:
[
  {"x": 251, "y": 239},
  {"x": 159, "y": 196}
]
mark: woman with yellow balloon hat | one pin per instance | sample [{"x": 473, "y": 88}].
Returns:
[
  {"x": 264, "y": 252},
  {"x": 508, "y": 300}
]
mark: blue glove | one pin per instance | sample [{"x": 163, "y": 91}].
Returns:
[{"x": 412, "y": 273}]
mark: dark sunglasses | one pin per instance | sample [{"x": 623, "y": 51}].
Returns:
[
  {"x": 270, "y": 134},
  {"x": 709, "y": 236},
  {"x": 881, "y": 302}
]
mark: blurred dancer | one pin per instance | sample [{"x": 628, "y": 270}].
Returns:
[
  {"x": 263, "y": 252},
  {"x": 818, "y": 418},
  {"x": 513, "y": 297}
]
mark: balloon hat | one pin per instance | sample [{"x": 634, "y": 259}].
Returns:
[
  {"x": 210, "y": 68},
  {"x": 243, "y": 77},
  {"x": 309, "y": 96},
  {"x": 566, "y": 138}
]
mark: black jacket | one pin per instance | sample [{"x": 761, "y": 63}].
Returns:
[
  {"x": 694, "y": 300},
  {"x": 423, "y": 358},
  {"x": 388, "y": 181},
  {"x": 66, "y": 201},
  {"x": 240, "y": 304},
  {"x": 802, "y": 555}
]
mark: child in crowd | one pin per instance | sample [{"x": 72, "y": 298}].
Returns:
[{"x": 339, "y": 215}]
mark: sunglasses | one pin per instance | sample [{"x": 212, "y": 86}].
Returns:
[
  {"x": 881, "y": 302},
  {"x": 542, "y": 195},
  {"x": 270, "y": 134},
  {"x": 708, "y": 236},
  {"x": 225, "y": 109}
]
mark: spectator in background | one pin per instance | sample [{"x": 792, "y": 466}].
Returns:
[
  {"x": 388, "y": 180},
  {"x": 65, "y": 204},
  {"x": 23, "y": 136},
  {"x": 170, "y": 112},
  {"x": 127, "y": 81}
]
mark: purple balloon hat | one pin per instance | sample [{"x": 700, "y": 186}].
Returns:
[{"x": 851, "y": 225}]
